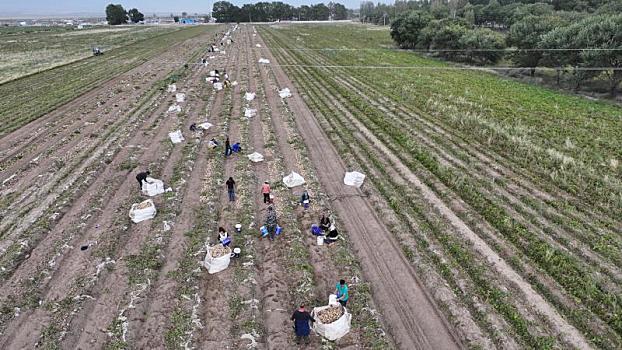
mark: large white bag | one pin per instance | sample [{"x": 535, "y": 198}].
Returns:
[
  {"x": 176, "y": 136},
  {"x": 354, "y": 178},
  {"x": 214, "y": 265},
  {"x": 172, "y": 88},
  {"x": 264, "y": 61},
  {"x": 153, "y": 187},
  {"x": 285, "y": 93},
  {"x": 205, "y": 125},
  {"x": 174, "y": 108},
  {"x": 249, "y": 96},
  {"x": 335, "y": 330},
  {"x": 294, "y": 179},
  {"x": 255, "y": 157},
  {"x": 218, "y": 86},
  {"x": 142, "y": 211},
  {"x": 180, "y": 97}
]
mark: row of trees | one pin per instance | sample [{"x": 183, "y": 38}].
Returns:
[
  {"x": 116, "y": 14},
  {"x": 224, "y": 12},
  {"x": 582, "y": 46}
]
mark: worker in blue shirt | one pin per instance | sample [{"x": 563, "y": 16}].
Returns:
[{"x": 341, "y": 290}]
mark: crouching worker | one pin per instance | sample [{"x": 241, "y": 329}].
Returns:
[
  {"x": 332, "y": 235},
  {"x": 305, "y": 199},
  {"x": 302, "y": 327},
  {"x": 223, "y": 237},
  {"x": 142, "y": 177},
  {"x": 271, "y": 222}
]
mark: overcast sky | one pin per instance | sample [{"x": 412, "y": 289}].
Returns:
[{"x": 50, "y": 7}]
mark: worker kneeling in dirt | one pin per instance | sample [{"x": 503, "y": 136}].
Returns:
[
  {"x": 332, "y": 235},
  {"x": 223, "y": 237}
]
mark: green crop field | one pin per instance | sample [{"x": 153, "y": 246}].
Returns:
[
  {"x": 26, "y": 50},
  {"x": 532, "y": 172}
]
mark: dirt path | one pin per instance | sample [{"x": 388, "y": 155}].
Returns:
[{"x": 414, "y": 319}]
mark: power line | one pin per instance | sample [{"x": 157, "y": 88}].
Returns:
[
  {"x": 441, "y": 67},
  {"x": 450, "y": 50}
]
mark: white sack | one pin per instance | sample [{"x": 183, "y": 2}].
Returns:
[
  {"x": 174, "y": 108},
  {"x": 172, "y": 88},
  {"x": 255, "y": 157},
  {"x": 205, "y": 125},
  {"x": 180, "y": 97},
  {"x": 263, "y": 60},
  {"x": 216, "y": 49},
  {"x": 153, "y": 187},
  {"x": 285, "y": 93},
  {"x": 214, "y": 265},
  {"x": 258, "y": 45},
  {"x": 149, "y": 212},
  {"x": 218, "y": 86},
  {"x": 354, "y": 179},
  {"x": 249, "y": 96},
  {"x": 294, "y": 179},
  {"x": 235, "y": 83},
  {"x": 213, "y": 73},
  {"x": 249, "y": 113},
  {"x": 335, "y": 330},
  {"x": 176, "y": 136}
]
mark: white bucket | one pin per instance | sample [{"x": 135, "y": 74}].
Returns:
[
  {"x": 238, "y": 227},
  {"x": 320, "y": 240}
]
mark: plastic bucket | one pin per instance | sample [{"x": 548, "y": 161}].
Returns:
[
  {"x": 320, "y": 240},
  {"x": 264, "y": 231},
  {"x": 278, "y": 231},
  {"x": 238, "y": 227}
]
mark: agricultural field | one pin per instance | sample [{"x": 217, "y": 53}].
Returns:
[
  {"x": 489, "y": 217},
  {"x": 505, "y": 197},
  {"x": 27, "y": 50}
]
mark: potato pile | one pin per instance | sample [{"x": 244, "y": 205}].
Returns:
[
  {"x": 219, "y": 251},
  {"x": 143, "y": 205},
  {"x": 330, "y": 315}
]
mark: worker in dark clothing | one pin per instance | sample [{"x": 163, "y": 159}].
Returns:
[
  {"x": 302, "y": 327},
  {"x": 142, "y": 177},
  {"x": 231, "y": 189},
  {"x": 228, "y": 149},
  {"x": 193, "y": 127},
  {"x": 325, "y": 223}
]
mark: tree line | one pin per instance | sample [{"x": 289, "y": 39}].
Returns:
[
  {"x": 579, "y": 42},
  {"x": 225, "y": 12},
  {"x": 116, "y": 14}
]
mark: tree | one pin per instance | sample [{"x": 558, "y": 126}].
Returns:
[
  {"x": 176, "y": 19},
  {"x": 447, "y": 40},
  {"x": 115, "y": 15},
  {"x": 135, "y": 16},
  {"x": 478, "y": 41},
  {"x": 319, "y": 12},
  {"x": 338, "y": 12},
  {"x": 603, "y": 32},
  {"x": 225, "y": 12},
  {"x": 526, "y": 36},
  {"x": 406, "y": 29}
]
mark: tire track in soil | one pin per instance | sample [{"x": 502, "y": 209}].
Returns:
[
  {"x": 75, "y": 262},
  {"x": 407, "y": 308},
  {"x": 152, "y": 314}
]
